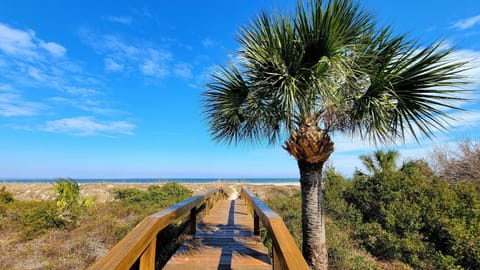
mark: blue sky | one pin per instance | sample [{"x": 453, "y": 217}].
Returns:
[{"x": 111, "y": 89}]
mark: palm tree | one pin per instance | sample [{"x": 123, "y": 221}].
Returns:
[
  {"x": 380, "y": 161},
  {"x": 328, "y": 68}
]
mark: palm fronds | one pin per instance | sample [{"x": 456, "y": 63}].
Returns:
[{"x": 330, "y": 62}]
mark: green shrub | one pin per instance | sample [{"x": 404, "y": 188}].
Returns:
[
  {"x": 67, "y": 191},
  {"x": 153, "y": 199},
  {"x": 5, "y": 196},
  {"x": 344, "y": 213},
  {"x": 343, "y": 253},
  {"x": 36, "y": 217},
  {"x": 417, "y": 218},
  {"x": 289, "y": 207}
]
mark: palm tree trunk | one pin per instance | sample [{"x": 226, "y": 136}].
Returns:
[
  {"x": 313, "y": 218},
  {"x": 311, "y": 146}
]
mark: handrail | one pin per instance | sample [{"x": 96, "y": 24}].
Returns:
[
  {"x": 141, "y": 241},
  {"x": 286, "y": 254}
]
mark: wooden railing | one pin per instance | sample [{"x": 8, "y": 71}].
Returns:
[
  {"x": 285, "y": 252},
  {"x": 140, "y": 243}
]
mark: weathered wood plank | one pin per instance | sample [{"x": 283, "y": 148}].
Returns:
[{"x": 223, "y": 240}]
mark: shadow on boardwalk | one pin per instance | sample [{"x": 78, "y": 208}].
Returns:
[{"x": 223, "y": 244}]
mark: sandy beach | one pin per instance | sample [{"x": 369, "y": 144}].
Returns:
[{"x": 44, "y": 191}]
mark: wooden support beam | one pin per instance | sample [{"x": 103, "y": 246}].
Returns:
[{"x": 147, "y": 260}]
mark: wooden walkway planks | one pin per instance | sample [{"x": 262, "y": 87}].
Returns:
[{"x": 223, "y": 240}]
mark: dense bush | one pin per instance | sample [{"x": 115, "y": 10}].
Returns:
[
  {"x": 398, "y": 214},
  {"x": 411, "y": 215},
  {"x": 342, "y": 251},
  {"x": 153, "y": 199},
  {"x": 5, "y": 196},
  {"x": 34, "y": 218}
]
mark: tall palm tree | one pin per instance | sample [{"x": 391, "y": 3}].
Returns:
[{"x": 328, "y": 68}]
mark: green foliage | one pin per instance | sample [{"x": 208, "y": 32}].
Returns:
[
  {"x": 36, "y": 217},
  {"x": 289, "y": 207},
  {"x": 154, "y": 198},
  {"x": 412, "y": 216},
  {"x": 343, "y": 253},
  {"x": 5, "y": 196},
  {"x": 336, "y": 206},
  {"x": 88, "y": 201},
  {"x": 67, "y": 191}
]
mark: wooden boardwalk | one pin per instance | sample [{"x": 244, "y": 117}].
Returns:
[{"x": 223, "y": 240}]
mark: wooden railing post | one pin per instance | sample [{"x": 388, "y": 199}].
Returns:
[
  {"x": 275, "y": 262},
  {"x": 256, "y": 223},
  {"x": 140, "y": 243},
  {"x": 285, "y": 253},
  {"x": 193, "y": 220},
  {"x": 147, "y": 260},
  {"x": 207, "y": 206}
]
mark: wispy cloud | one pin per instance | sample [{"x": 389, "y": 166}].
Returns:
[
  {"x": 95, "y": 106},
  {"x": 88, "y": 126},
  {"x": 207, "y": 42},
  {"x": 201, "y": 79},
  {"x": 466, "y": 23},
  {"x": 13, "y": 104},
  {"x": 183, "y": 70},
  {"x": 24, "y": 43},
  {"x": 30, "y": 63},
  {"x": 150, "y": 61},
  {"x": 473, "y": 59},
  {"x": 112, "y": 65},
  {"x": 54, "y": 48},
  {"x": 119, "y": 19}
]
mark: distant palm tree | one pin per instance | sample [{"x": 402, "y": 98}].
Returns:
[
  {"x": 328, "y": 68},
  {"x": 380, "y": 161}
]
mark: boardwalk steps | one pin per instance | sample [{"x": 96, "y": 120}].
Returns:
[{"x": 227, "y": 237}]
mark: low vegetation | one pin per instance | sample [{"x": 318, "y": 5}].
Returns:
[
  {"x": 390, "y": 216},
  {"x": 72, "y": 232},
  {"x": 395, "y": 217}
]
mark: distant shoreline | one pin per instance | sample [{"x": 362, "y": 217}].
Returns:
[
  {"x": 251, "y": 181},
  {"x": 102, "y": 190}
]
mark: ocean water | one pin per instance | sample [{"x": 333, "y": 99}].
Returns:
[{"x": 281, "y": 181}]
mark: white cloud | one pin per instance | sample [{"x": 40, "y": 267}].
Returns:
[
  {"x": 12, "y": 103},
  {"x": 120, "y": 55},
  {"x": 81, "y": 91},
  {"x": 55, "y": 49},
  {"x": 17, "y": 42},
  {"x": 30, "y": 63},
  {"x": 89, "y": 126},
  {"x": 89, "y": 105},
  {"x": 467, "y": 23},
  {"x": 119, "y": 19},
  {"x": 36, "y": 74},
  {"x": 464, "y": 120},
  {"x": 153, "y": 68},
  {"x": 112, "y": 65},
  {"x": 183, "y": 70},
  {"x": 24, "y": 43},
  {"x": 206, "y": 42},
  {"x": 473, "y": 65}
]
